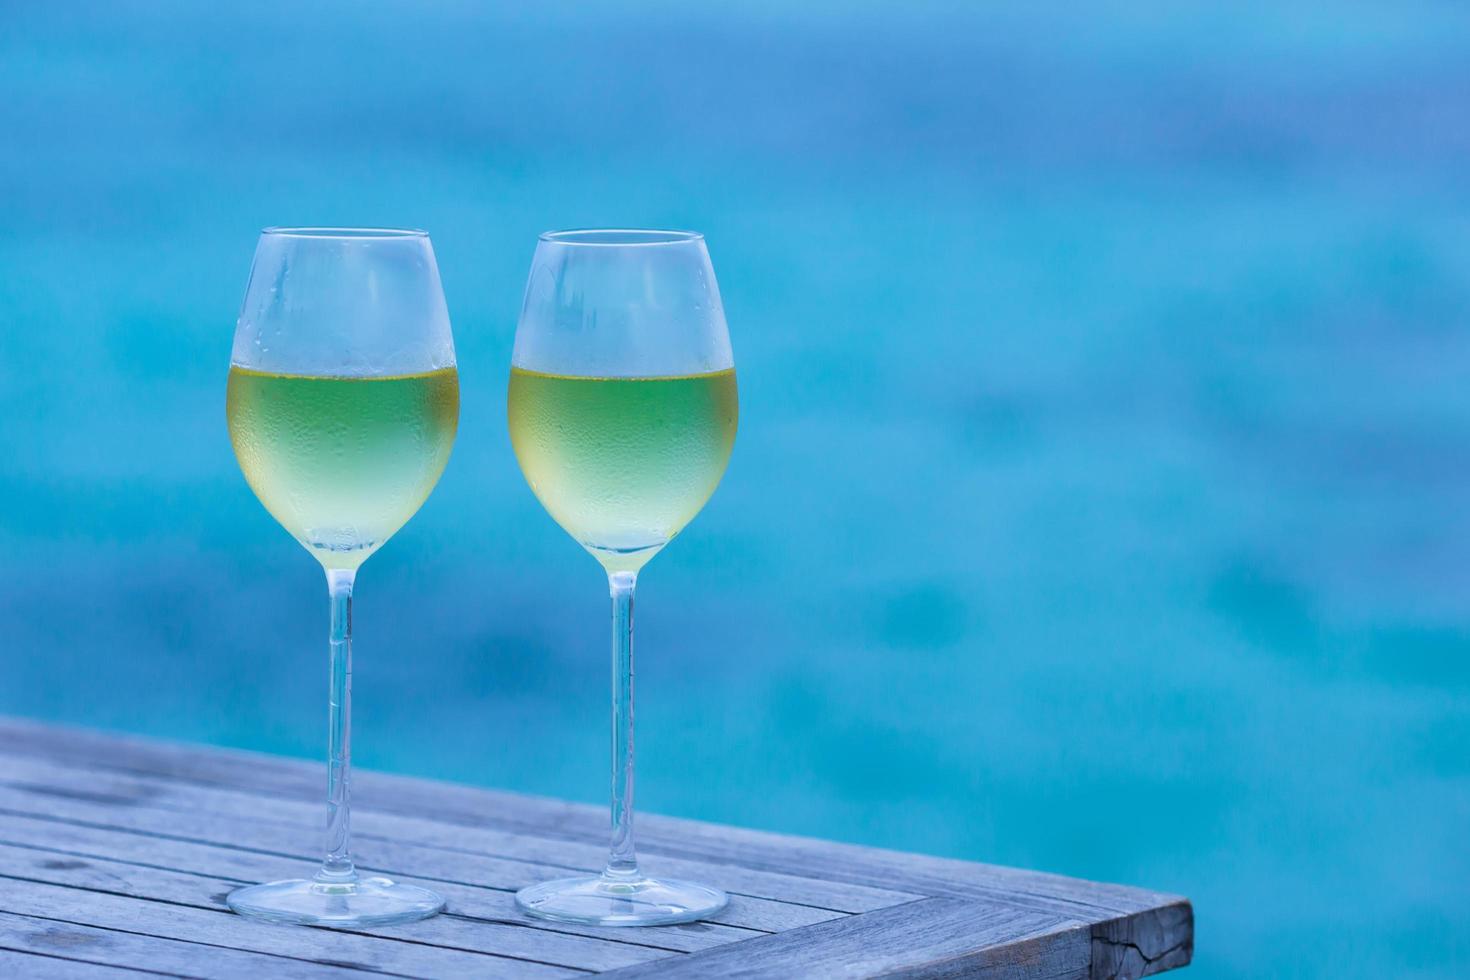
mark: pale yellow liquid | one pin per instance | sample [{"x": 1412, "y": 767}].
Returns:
[
  {"x": 623, "y": 463},
  {"x": 342, "y": 463}
]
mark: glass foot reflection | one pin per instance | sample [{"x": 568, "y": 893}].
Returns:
[
  {"x": 599, "y": 900},
  {"x": 341, "y": 905}
]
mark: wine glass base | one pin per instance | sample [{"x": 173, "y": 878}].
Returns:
[
  {"x": 339, "y": 905},
  {"x": 598, "y": 900}
]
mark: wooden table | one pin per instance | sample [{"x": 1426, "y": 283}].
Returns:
[{"x": 116, "y": 854}]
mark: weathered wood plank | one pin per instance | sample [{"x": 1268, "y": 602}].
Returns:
[
  {"x": 37, "y": 966},
  {"x": 1143, "y": 945},
  {"x": 213, "y": 818},
  {"x": 227, "y": 931},
  {"x": 290, "y": 844},
  {"x": 88, "y": 949},
  {"x": 449, "y": 931},
  {"x": 1121, "y": 909},
  {"x": 73, "y": 840},
  {"x": 902, "y": 870},
  {"x": 930, "y": 938},
  {"x": 530, "y": 858},
  {"x": 1163, "y": 923},
  {"x": 539, "y": 817}
]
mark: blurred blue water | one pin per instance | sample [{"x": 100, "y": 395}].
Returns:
[{"x": 1097, "y": 501}]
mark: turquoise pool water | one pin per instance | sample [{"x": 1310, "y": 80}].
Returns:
[{"x": 1097, "y": 504}]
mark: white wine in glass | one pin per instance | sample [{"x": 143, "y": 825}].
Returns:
[
  {"x": 622, "y": 412},
  {"x": 342, "y": 463},
  {"x": 623, "y": 463},
  {"x": 343, "y": 401}
]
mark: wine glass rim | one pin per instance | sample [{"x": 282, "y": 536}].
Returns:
[
  {"x": 324, "y": 231},
  {"x": 620, "y": 237}
]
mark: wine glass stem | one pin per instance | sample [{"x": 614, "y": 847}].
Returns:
[
  {"x": 622, "y": 862},
  {"x": 338, "y": 864}
]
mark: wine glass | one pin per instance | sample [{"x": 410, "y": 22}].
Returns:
[
  {"x": 622, "y": 415},
  {"x": 343, "y": 405}
]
